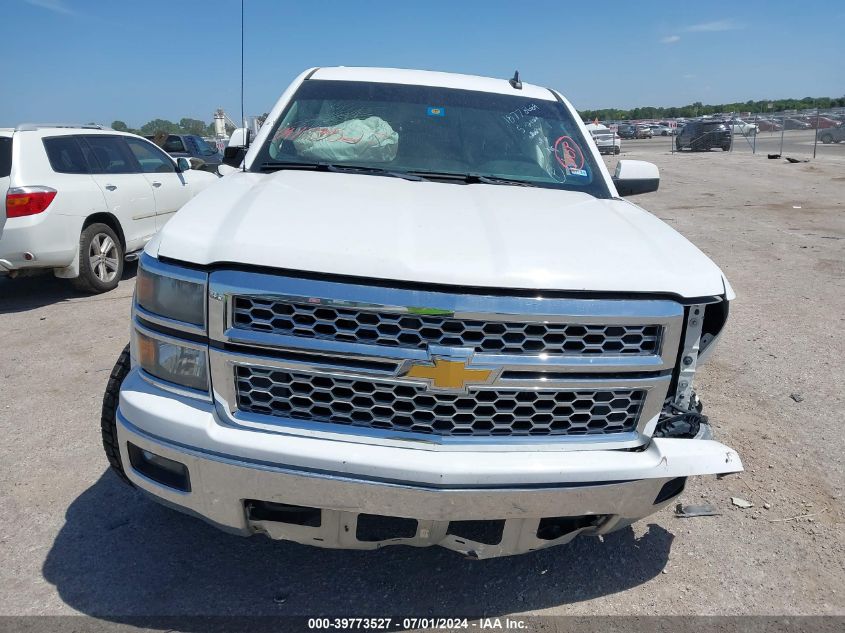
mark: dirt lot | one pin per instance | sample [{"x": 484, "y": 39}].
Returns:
[{"x": 74, "y": 539}]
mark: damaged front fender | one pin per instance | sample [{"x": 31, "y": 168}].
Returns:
[{"x": 686, "y": 458}]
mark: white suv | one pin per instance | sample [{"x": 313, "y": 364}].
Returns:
[{"x": 80, "y": 199}]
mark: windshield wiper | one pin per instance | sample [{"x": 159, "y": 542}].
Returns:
[
  {"x": 472, "y": 179},
  {"x": 340, "y": 168},
  {"x": 495, "y": 180},
  {"x": 415, "y": 175}
]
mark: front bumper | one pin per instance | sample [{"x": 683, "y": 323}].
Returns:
[{"x": 528, "y": 499}]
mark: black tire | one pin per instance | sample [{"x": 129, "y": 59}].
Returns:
[
  {"x": 97, "y": 278},
  {"x": 726, "y": 148},
  {"x": 108, "y": 417},
  {"x": 616, "y": 150},
  {"x": 826, "y": 139}
]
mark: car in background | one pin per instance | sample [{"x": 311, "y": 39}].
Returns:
[
  {"x": 192, "y": 146},
  {"x": 626, "y": 130},
  {"x": 795, "y": 124},
  {"x": 828, "y": 135},
  {"x": 820, "y": 122},
  {"x": 658, "y": 129},
  {"x": 643, "y": 131},
  {"x": 743, "y": 128},
  {"x": 80, "y": 199},
  {"x": 702, "y": 136},
  {"x": 215, "y": 143},
  {"x": 607, "y": 141},
  {"x": 768, "y": 125}
]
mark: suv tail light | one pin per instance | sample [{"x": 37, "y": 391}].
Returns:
[{"x": 21, "y": 201}]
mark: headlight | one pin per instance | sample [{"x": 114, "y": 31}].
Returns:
[
  {"x": 172, "y": 292},
  {"x": 174, "y": 362}
]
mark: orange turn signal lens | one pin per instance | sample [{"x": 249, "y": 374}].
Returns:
[{"x": 147, "y": 349}]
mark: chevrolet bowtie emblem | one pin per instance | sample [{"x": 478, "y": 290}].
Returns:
[{"x": 448, "y": 374}]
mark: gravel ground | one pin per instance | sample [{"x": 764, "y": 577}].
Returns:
[{"x": 74, "y": 539}]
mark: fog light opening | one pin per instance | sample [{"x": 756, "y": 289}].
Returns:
[
  {"x": 373, "y": 528},
  {"x": 551, "y": 528},
  {"x": 161, "y": 470},
  {"x": 282, "y": 513},
  {"x": 486, "y": 532},
  {"x": 671, "y": 488}
]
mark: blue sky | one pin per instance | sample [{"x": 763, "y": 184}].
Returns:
[{"x": 99, "y": 60}]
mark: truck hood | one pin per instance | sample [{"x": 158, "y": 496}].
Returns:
[{"x": 467, "y": 235}]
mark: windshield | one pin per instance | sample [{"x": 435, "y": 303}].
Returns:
[
  {"x": 431, "y": 130},
  {"x": 202, "y": 148}
]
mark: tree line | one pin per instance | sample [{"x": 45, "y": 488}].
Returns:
[
  {"x": 184, "y": 126},
  {"x": 201, "y": 128},
  {"x": 700, "y": 109}
]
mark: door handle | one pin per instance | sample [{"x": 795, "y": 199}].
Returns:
[
  {"x": 111, "y": 187},
  {"x": 156, "y": 183}
]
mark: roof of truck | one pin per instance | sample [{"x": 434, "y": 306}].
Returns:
[{"x": 432, "y": 78}]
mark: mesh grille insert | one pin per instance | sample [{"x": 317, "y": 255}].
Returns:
[
  {"x": 418, "y": 331},
  {"x": 485, "y": 412}
]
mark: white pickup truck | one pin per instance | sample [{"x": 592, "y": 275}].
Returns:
[{"x": 419, "y": 311}]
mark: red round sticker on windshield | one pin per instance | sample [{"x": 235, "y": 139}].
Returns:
[{"x": 568, "y": 154}]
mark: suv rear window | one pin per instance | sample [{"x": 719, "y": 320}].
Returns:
[
  {"x": 66, "y": 155},
  {"x": 5, "y": 156}
]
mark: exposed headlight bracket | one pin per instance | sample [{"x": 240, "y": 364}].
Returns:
[{"x": 689, "y": 355}]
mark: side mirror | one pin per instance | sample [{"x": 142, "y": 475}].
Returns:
[
  {"x": 239, "y": 137},
  {"x": 182, "y": 164},
  {"x": 234, "y": 153},
  {"x": 634, "y": 177},
  {"x": 234, "y": 156}
]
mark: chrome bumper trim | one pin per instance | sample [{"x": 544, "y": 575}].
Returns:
[{"x": 220, "y": 485}]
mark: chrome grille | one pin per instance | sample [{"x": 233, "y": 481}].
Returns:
[
  {"x": 397, "y": 329},
  {"x": 319, "y": 356},
  {"x": 404, "y": 407}
]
